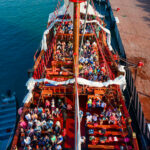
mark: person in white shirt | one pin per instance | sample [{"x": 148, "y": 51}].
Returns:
[
  {"x": 82, "y": 140},
  {"x": 28, "y": 117},
  {"x": 27, "y": 141},
  {"x": 89, "y": 118}
]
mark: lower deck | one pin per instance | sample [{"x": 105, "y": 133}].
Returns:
[{"x": 48, "y": 122}]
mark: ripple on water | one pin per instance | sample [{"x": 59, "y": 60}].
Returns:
[{"x": 22, "y": 24}]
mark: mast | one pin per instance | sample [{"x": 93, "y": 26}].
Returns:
[
  {"x": 76, "y": 28},
  {"x": 76, "y": 24}
]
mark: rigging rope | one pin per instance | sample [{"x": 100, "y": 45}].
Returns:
[
  {"x": 130, "y": 63},
  {"x": 42, "y": 62},
  {"x": 88, "y": 2},
  {"x": 53, "y": 19},
  {"x": 107, "y": 67},
  {"x": 77, "y": 118},
  {"x": 133, "y": 65},
  {"x": 105, "y": 62},
  {"x": 60, "y": 25}
]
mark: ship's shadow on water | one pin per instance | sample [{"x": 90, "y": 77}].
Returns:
[{"x": 17, "y": 48}]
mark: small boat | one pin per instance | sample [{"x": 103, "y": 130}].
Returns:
[
  {"x": 75, "y": 98},
  {"x": 8, "y": 119}
]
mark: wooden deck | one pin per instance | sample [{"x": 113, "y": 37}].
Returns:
[{"x": 52, "y": 68}]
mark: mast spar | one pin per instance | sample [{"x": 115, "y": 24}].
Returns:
[
  {"x": 76, "y": 24},
  {"x": 76, "y": 28}
]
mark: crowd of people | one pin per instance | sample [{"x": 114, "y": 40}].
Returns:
[
  {"x": 67, "y": 28},
  {"x": 64, "y": 50},
  {"x": 42, "y": 126},
  {"x": 90, "y": 28},
  {"x": 89, "y": 66},
  {"x": 107, "y": 114},
  {"x": 99, "y": 112},
  {"x": 64, "y": 28},
  {"x": 105, "y": 117},
  {"x": 111, "y": 139},
  {"x": 96, "y": 103},
  {"x": 89, "y": 17}
]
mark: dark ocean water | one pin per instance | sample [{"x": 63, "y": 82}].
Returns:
[{"x": 22, "y": 23}]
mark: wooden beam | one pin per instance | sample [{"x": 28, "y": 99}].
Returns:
[
  {"x": 106, "y": 126},
  {"x": 101, "y": 146}
]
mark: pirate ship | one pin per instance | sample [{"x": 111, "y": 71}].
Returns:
[{"x": 75, "y": 98}]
